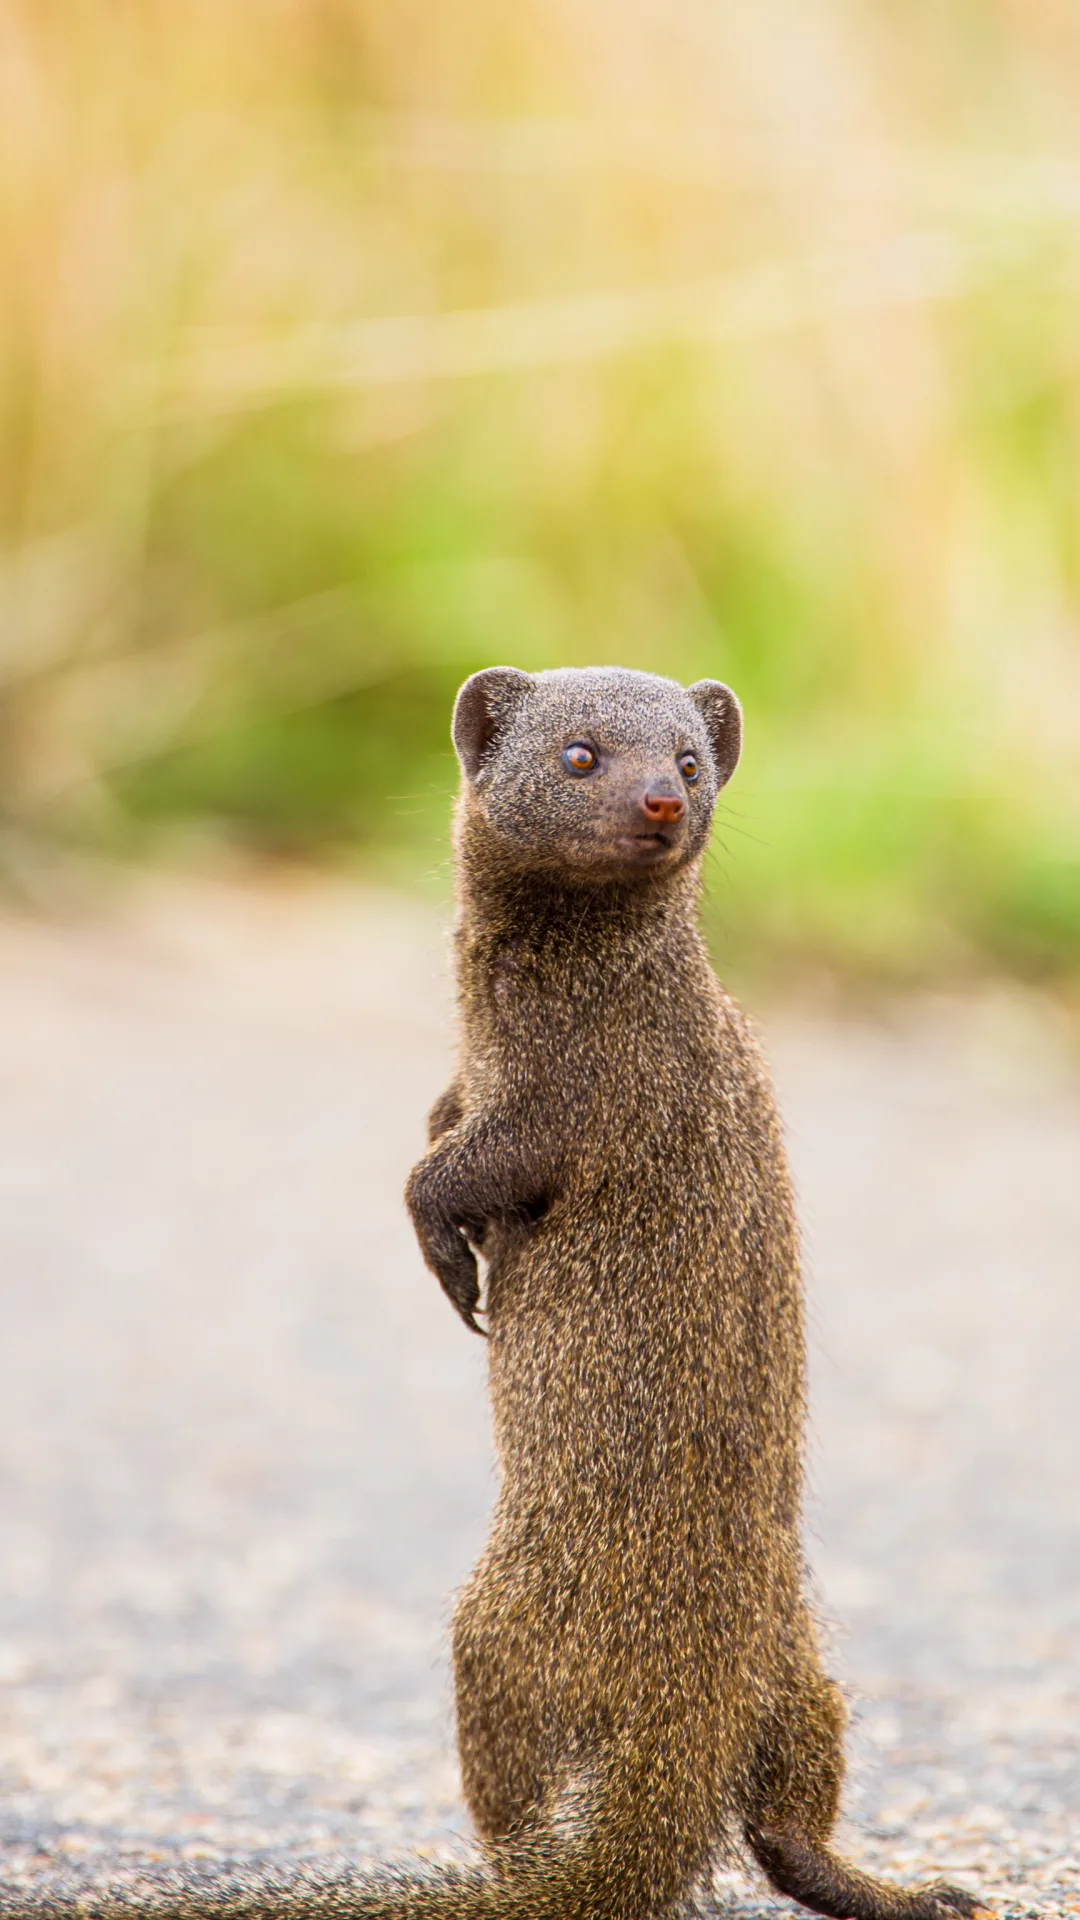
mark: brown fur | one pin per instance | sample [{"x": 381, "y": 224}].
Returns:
[
  {"x": 634, "y": 1642},
  {"x": 639, "y": 1688}
]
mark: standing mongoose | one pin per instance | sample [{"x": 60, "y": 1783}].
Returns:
[
  {"x": 639, "y": 1688},
  {"x": 638, "y": 1678}
]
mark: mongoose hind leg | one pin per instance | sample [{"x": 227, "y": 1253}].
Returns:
[
  {"x": 796, "y": 1798},
  {"x": 503, "y": 1767}
]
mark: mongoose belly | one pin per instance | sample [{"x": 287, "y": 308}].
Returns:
[{"x": 632, "y": 1428}]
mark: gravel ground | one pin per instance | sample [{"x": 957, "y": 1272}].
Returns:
[{"x": 244, "y": 1448}]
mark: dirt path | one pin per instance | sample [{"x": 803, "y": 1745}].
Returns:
[{"x": 244, "y": 1451}]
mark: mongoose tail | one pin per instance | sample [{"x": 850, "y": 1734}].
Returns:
[
  {"x": 637, "y": 1849},
  {"x": 629, "y": 1853}
]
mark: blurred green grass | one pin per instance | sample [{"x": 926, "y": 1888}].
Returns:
[{"x": 346, "y": 351}]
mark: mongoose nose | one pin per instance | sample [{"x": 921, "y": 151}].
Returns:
[{"x": 663, "y": 808}]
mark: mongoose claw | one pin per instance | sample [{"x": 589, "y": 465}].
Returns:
[
  {"x": 953, "y": 1900},
  {"x": 468, "y": 1309},
  {"x": 457, "y": 1275}
]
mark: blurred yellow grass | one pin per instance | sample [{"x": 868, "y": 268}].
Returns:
[{"x": 347, "y": 348}]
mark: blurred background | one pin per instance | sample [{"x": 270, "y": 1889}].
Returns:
[{"x": 348, "y": 348}]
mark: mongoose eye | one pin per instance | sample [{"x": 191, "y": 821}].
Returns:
[
  {"x": 688, "y": 767},
  {"x": 578, "y": 758}
]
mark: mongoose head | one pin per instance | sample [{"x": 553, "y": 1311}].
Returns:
[{"x": 595, "y": 772}]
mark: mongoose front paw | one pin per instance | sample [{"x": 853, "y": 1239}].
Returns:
[
  {"x": 453, "y": 1262},
  {"x": 443, "y": 1244},
  {"x": 458, "y": 1279}
]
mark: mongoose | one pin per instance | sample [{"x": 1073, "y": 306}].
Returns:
[
  {"x": 637, "y": 1669},
  {"x": 639, "y": 1687}
]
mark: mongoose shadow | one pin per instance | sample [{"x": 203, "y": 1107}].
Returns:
[{"x": 639, "y": 1686}]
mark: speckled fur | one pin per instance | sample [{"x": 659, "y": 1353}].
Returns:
[{"x": 639, "y": 1689}]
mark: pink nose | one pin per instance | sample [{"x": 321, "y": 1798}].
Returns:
[{"x": 663, "y": 808}]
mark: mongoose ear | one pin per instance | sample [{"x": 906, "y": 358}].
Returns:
[
  {"x": 722, "y": 715},
  {"x": 484, "y": 706}
]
